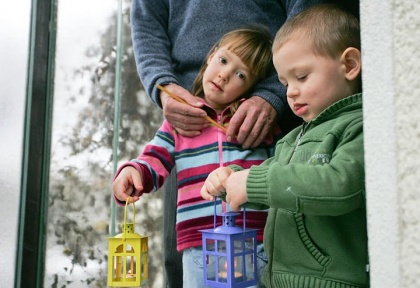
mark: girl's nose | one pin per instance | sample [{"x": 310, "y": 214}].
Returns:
[{"x": 224, "y": 75}]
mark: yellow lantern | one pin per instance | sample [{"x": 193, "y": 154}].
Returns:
[{"x": 127, "y": 256}]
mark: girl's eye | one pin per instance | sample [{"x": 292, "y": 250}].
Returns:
[
  {"x": 222, "y": 60},
  {"x": 241, "y": 75}
]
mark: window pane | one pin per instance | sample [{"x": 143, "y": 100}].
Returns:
[
  {"x": 14, "y": 30},
  {"x": 81, "y": 168}
]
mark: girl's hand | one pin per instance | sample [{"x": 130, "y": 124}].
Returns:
[
  {"x": 215, "y": 183},
  {"x": 127, "y": 181}
]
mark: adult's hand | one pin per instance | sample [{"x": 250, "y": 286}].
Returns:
[
  {"x": 253, "y": 121},
  {"x": 187, "y": 119}
]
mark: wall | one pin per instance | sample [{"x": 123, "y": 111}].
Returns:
[
  {"x": 391, "y": 64},
  {"x": 406, "y": 15}
]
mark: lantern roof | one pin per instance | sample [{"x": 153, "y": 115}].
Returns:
[
  {"x": 129, "y": 235},
  {"x": 228, "y": 225}
]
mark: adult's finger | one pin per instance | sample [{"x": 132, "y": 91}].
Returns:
[
  {"x": 253, "y": 121},
  {"x": 184, "y": 118},
  {"x": 187, "y": 116}
]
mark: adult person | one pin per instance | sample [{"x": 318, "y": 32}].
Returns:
[{"x": 170, "y": 41}]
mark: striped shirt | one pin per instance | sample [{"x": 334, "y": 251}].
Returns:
[{"x": 194, "y": 158}]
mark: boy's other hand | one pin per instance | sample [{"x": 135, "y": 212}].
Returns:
[{"x": 236, "y": 189}]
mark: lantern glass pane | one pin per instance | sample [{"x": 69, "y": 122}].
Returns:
[
  {"x": 118, "y": 268},
  {"x": 143, "y": 267},
  {"x": 210, "y": 245},
  {"x": 131, "y": 266},
  {"x": 211, "y": 267},
  {"x": 221, "y": 246},
  {"x": 238, "y": 246},
  {"x": 130, "y": 261},
  {"x": 239, "y": 267},
  {"x": 223, "y": 269},
  {"x": 249, "y": 260},
  {"x": 249, "y": 244}
]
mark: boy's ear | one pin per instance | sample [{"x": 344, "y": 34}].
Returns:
[{"x": 352, "y": 59}]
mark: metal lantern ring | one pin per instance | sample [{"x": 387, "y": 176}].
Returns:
[
  {"x": 127, "y": 256},
  {"x": 229, "y": 253}
]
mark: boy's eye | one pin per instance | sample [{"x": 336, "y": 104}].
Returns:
[
  {"x": 302, "y": 78},
  {"x": 222, "y": 60}
]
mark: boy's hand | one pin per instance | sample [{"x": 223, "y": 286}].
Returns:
[
  {"x": 215, "y": 183},
  {"x": 128, "y": 181},
  {"x": 236, "y": 189}
]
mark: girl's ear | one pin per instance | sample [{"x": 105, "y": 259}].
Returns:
[
  {"x": 209, "y": 58},
  {"x": 352, "y": 60},
  {"x": 211, "y": 55}
]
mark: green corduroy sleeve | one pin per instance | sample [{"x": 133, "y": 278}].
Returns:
[{"x": 256, "y": 185}]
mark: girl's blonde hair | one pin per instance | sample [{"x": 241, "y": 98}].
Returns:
[
  {"x": 252, "y": 45},
  {"x": 331, "y": 30}
]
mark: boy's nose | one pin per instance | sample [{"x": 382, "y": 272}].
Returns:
[{"x": 292, "y": 91}]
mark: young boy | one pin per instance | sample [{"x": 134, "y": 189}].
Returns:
[{"x": 315, "y": 235}]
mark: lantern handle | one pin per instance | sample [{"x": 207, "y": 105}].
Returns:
[
  {"x": 244, "y": 217},
  {"x": 125, "y": 213},
  {"x": 214, "y": 214}
]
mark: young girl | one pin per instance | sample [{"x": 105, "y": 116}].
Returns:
[{"x": 233, "y": 66}]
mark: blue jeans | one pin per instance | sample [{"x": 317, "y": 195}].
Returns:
[{"x": 192, "y": 262}]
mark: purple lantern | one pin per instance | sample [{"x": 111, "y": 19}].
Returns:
[{"x": 229, "y": 254}]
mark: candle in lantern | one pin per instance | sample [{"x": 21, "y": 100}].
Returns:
[{"x": 223, "y": 275}]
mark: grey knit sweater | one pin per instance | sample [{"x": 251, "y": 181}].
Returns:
[{"x": 171, "y": 38}]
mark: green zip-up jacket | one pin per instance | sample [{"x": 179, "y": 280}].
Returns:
[{"x": 316, "y": 235}]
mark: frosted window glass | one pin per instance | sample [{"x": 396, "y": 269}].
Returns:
[
  {"x": 81, "y": 167},
  {"x": 14, "y": 32}
]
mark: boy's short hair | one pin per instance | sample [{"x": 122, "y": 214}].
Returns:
[{"x": 331, "y": 30}]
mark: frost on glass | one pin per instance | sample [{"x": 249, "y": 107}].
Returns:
[{"x": 81, "y": 167}]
